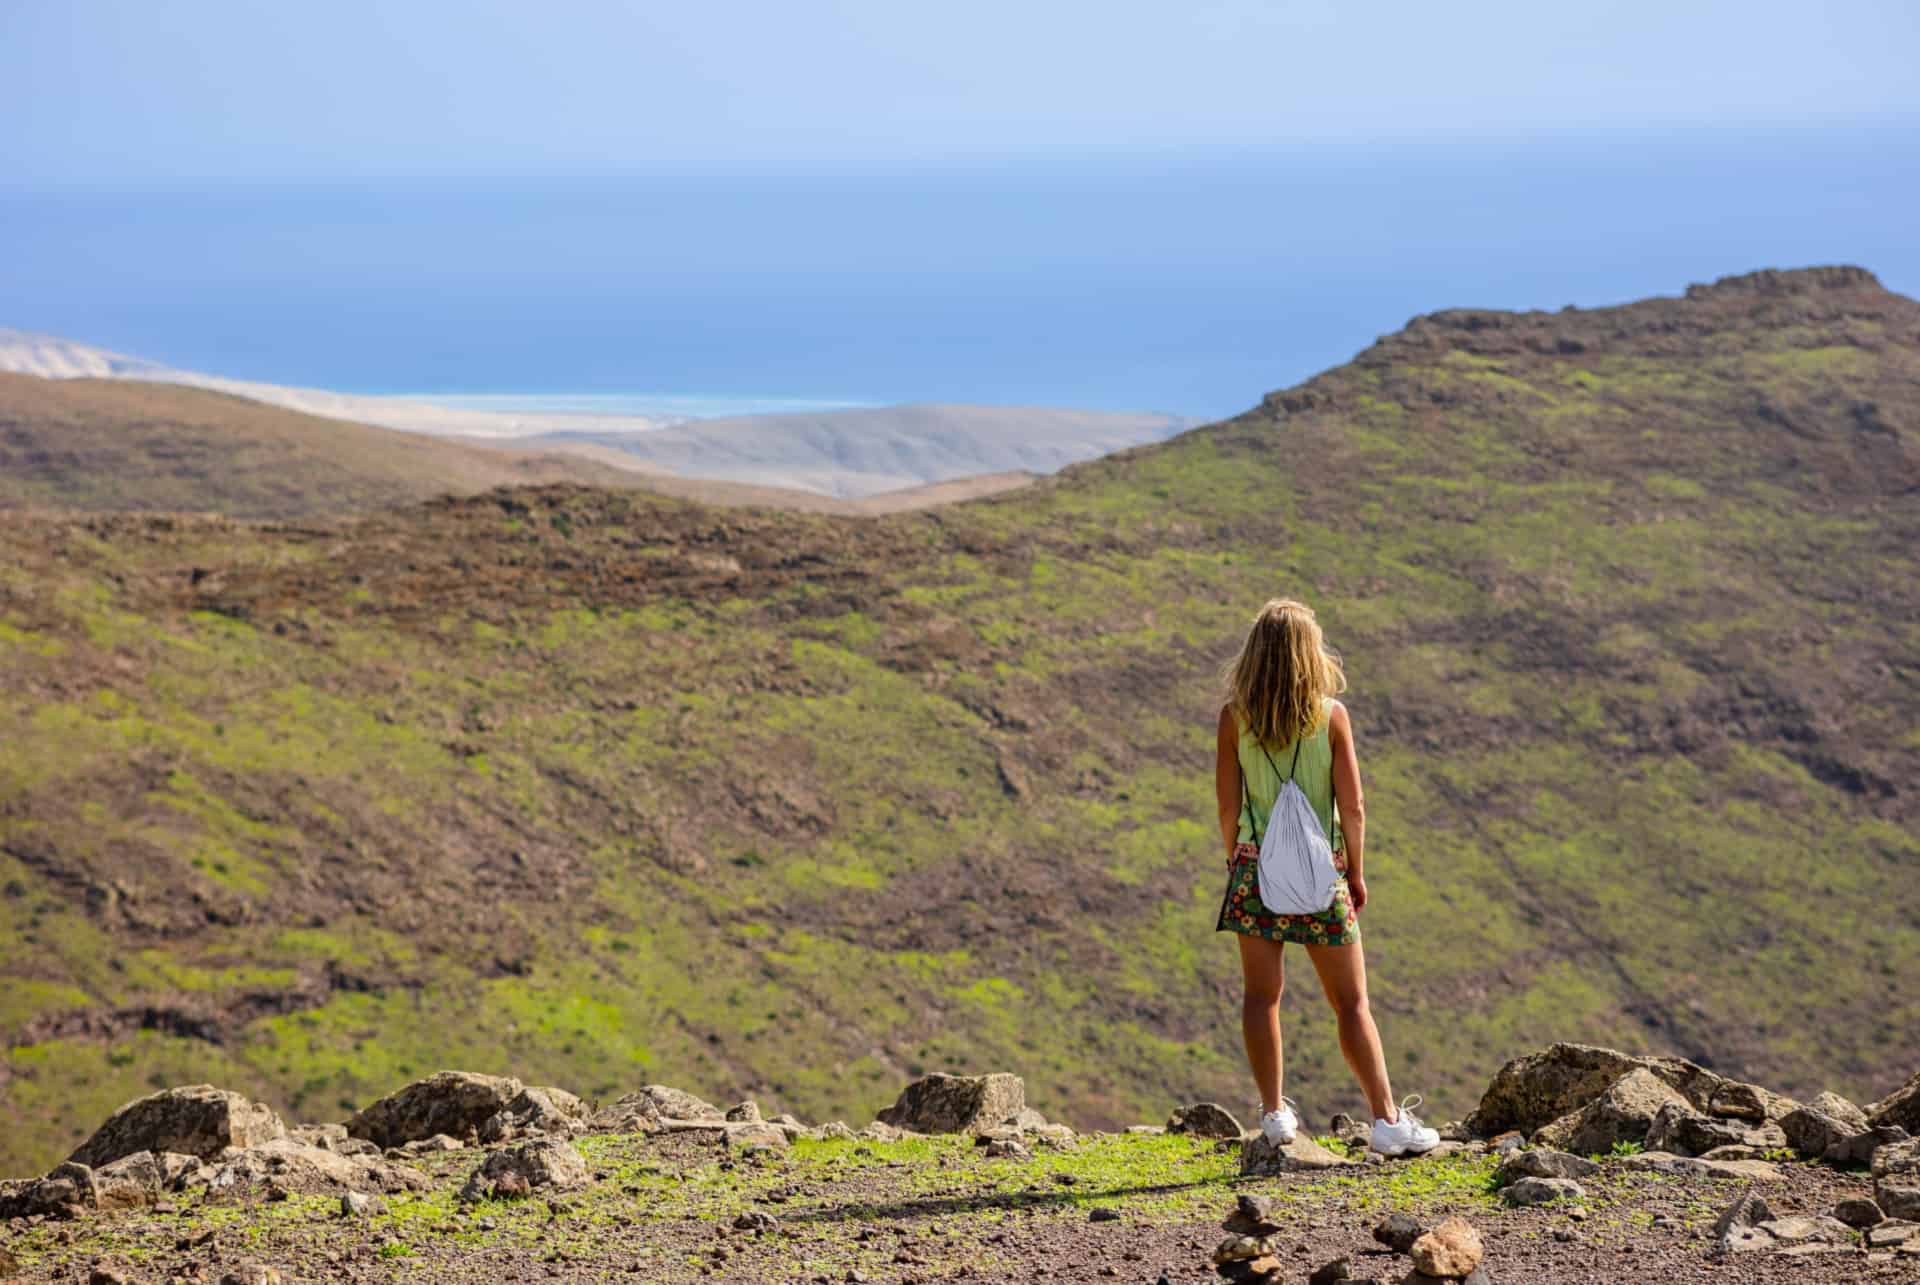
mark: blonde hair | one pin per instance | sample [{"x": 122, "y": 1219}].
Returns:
[{"x": 1279, "y": 683}]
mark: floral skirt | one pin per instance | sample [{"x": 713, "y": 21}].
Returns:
[{"x": 1241, "y": 911}]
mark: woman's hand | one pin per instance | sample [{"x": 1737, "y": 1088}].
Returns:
[{"x": 1357, "y": 892}]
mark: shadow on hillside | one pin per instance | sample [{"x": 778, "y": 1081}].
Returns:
[{"x": 1002, "y": 1201}]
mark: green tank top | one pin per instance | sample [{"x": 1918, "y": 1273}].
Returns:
[{"x": 1315, "y": 775}]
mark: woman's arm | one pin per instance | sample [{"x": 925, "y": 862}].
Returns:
[
  {"x": 1226, "y": 778},
  {"x": 1353, "y": 805}
]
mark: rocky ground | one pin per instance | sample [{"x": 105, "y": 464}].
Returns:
[{"x": 464, "y": 1177}]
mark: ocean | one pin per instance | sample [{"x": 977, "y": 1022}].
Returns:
[{"x": 1191, "y": 283}]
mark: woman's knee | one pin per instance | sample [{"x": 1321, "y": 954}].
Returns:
[
  {"x": 1262, "y": 997},
  {"x": 1351, "y": 1009}
]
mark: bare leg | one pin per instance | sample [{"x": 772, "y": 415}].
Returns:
[
  {"x": 1343, "y": 975},
  {"x": 1260, "y": 1015}
]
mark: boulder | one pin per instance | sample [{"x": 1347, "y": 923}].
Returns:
[
  {"x": 1859, "y": 1213},
  {"x": 143, "y": 1177},
  {"x": 295, "y": 1166},
  {"x": 743, "y": 1113},
  {"x": 543, "y": 1111},
  {"x": 1624, "y": 1112},
  {"x": 1890, "y": 1233},
  {"x": 1537, "y": 1089},
  {"x": 1451, "y": 1250},
  {"x": 1544, "y": 1162},
  {"x": 543, "y": 1164},
  {"x": 1678, "y": 1128},
  {"x": 66, "y": 1191},
  {"x": 1542, "y": 1191},
  {"x": 1832, "y": 1104},
  {"x": 942, "y": 1103},
  {"x": 1803, "y": 1229},
  {"x": 1302, "y": 1155},
  {"x": 757, "y": 1135},
  {"x": 1898, "y": 1196},
  {"x": 195, "y": 1120},
  {"x": 1896, "y": 1157},
  {"x": 1205, "y": 1120},
  {"x": 327, "y": 1137},
  {"x": 1901, "y": 1107},
  {"x": 451, "y": 1102},
  {"x": 1857, "y": 1150}
]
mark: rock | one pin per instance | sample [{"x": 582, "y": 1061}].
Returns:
[
  {"x": 1340, "y": 1269},
  {"x": 1545, "y": 1162},
  {"x": 1737, "y": 1101},
  {"x": 1623, "y": 1113},
  {"x": 324, "y": 1136},
  {"x": 357, "y": 1204},
  {"x": 880, "y": 1131},
  {"x": 758, "y": 1136},
  {"x": 296, "y": 1166},
  {"x": 141, "y": 1178},
  {"x": 1896, "y": 1157},
  {"x": 542, "y": 1111},
  {"x": 1398, "y": 1232},
  {"x": 1839, "y": 1108},
  {"x": 1810, "y": 1131},
  {"x": 197, "y": 1120},
  {"x": 1450, "y": 1251},
  {"x": 1349, "y": 1130},
  {"x": 942, "y": 1103},
  {"x": 1748, "y": 1211},
  {"x": 1264, "y": 1270},
  {"x": 1856, "y": 1151},
  {"x": 251, "y": 1274},
  {"x": 1859, "y": 1213},
  {"x": 756, "y": 1220},
  {"x": 450, "y": 1102},
  {"x": 744, "y": 1113},
  {"x": 106, "y": 1276},
  {"x": 1103, "y": 1214},
  {"x": 1733, "y": 1153},
  {"x": 1533, "y": 1091},
  {"x": 1006, "y": 1149},
  {"x": 1303, "y": 1154},
  {"x": 1542, "y": 1191},
  {"x": 832, "y": 1129},
  {"x": 1742, "y": 1240},
  {"x": 545, "y": 1163},
  {"x": 1506, "y": 1143},
  {"x": 1694, "y": 1167},
  {"x": 1146, "y": 1130},
  {"x": 1252, "y": 1216},
  {"x": 1678, "y": 1128},
  {"x": 1901, "y": 1107},
  {"x": 1809, "y": 1228},
  {"x": 427, "y": 1146},
  {"x": 1893, "y": 1231},
  {"x": 1898, "y": 1196},
  {"x": 1205, "y": 1120},
  {"x": 1235, "y": 1249}
]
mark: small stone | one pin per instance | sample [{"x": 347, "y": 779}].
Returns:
[
  {"x": 1542, "y": 1191},
  {"x": 755, "y": 1220},
  {"x": 1565, "y": 1235},
  {"x": 105, "y": 1276},
  {"x": 1748, "y": 1211},
  {"x": 1104, "y": 1214},
  {"x": 1859, "y": 1212},
  {"x": 1894, "y": 1231},
  {"x": 1808, "y": 1228},
  {"x": 1505, "y": 1143},
  {"x": 1235, "y": 1249},
  {"x": 1398, "y": 1232},
  {"x": 1451, "y": 1249},
  {"x": 1340, "y": 1269},
  {"x": 356, "y": 1204},
  {"x": 744, "y": 1113}
]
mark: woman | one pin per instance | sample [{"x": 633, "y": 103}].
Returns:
[{"x": 1280, "y": 709}]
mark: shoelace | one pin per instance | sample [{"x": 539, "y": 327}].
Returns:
[
  {"x": 1407, "y": 1104},
  {"x": 1286, "y": 1104}
]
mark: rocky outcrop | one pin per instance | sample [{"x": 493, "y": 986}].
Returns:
[
  {"x": 645, "y": 1109},
  {"x": 1901, "y": 1108},
  {"x": 1538, "y": 1089},
  {"x": 1544, "y": 1162},
  {"x": 533, "y": 1112},
  {"x": 942, "y": 1103},
  {"x": 288, "y": 1165},
  {"x": 1623, "y": 1113},
  {"x": 546, "y": 1164},
  {"x": 452, "y": 1102},
  {"x": 195, "y": 1120}
]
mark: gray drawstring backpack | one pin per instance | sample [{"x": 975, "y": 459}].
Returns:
[{"x": 1296, "y": 860}]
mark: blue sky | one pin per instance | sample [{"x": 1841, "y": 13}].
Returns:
[
  {"x": 133, "y": 91},
  {"x": 1172, "y": 206}
]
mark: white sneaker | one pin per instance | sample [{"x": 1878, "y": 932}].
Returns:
[
  {"x": 1280, "y": 1126},
  {"x": 1405, "y": 1136}
]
